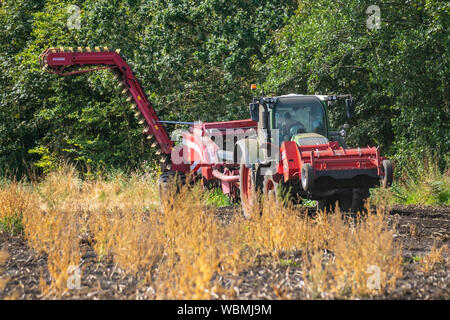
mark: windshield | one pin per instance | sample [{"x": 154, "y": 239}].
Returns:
[{"x": 297, "y": 114}]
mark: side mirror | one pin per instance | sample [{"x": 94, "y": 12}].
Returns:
[
  {"x": 254, "y": 111},
  {"x": 350, "y": 104},
  {"x": 343, "y": 130}
]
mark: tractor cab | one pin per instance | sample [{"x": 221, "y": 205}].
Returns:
[
  {"x": 293, "y": 117},
  {"x": 299, "y": 118}
]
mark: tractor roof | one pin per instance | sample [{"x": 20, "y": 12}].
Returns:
[{"x": 321, "y": 97}]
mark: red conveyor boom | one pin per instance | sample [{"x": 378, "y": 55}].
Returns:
[{"x": 58, "y": 61}]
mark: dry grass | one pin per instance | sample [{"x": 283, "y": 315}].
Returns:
[
  {"x": 14, "y": 201},
  {"x": 365, "y": 260},
  {"x": 196, "y": 247},
  {"x": 413, "y": 230},
  {"x": 434, "y": 258},
  {"x": 341, "y": 255},
  {"x": 3, "y": 283},
  {"x": 182, "y": 252},
  {"x": 4, "y": 256}
]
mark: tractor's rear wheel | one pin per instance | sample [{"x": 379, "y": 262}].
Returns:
[{"x": 247, "y": 190}]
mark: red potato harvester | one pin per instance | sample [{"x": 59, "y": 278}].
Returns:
[{"x": 286, "y": 150}]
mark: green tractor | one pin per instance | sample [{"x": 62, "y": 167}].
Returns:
[{"x": 295, "y": 155}]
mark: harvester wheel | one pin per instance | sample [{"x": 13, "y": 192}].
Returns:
[
  {"x": 352, "y": 200},
  {"x": 247, "y": 190},
  {"x": 169, "y": 182},
  {"x": 307, "y": 177},
  {"x": 344, "y": 202},
  {"x": 359, "y": 197},
  {"x": 386, "y": 181},
  {"x": 325, "y": 204}
]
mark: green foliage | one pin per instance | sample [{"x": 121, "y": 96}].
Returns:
[
  {"x": 217, "y": 198},
  {"x": 418, "y": 181},
  {"x": 12, "y": 224},
  {"x": 192, "y": 57},
  {"x": 399, "y": 73},
  {"x": 309, "y": 203},
  {"x": 288, "y": 263},
  {"x": 422, "y": 182}
]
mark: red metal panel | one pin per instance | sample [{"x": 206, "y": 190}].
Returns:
[
  {"x": 333, "y": 157},
  {"x": 290, "y": 157},
  {"x": 246, "y": 123},
  {"x": 207, "y": 172}
]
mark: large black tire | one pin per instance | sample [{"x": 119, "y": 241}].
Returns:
[
  {"x": 169, "y": 182},
  {"x": 344, "y": 201},
  {"x": 360, "y": 196},
  {"x": 251, "y": 184},
  {"x": 307, "y": 177},
  {"x": 353, "y": 200},
  {"x": 276, "y": 191},
  {"x": 386, "y": 181},
  {"x": 270, "y": 189}
]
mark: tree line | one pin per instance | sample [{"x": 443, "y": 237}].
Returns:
[{"x": 196, "y": 60}]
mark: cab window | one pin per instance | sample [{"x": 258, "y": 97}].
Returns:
[{"x": 296, "y": 115}]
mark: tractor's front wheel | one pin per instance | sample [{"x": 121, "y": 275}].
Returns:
[
  {"x": 270, "y": 189},
  {"x": 276, "y": 191}
]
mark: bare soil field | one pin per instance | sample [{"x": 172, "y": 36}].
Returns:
[{"x": 419, "y": 228}]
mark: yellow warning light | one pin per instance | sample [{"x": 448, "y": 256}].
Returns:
[{"x": 253, "y": 86}]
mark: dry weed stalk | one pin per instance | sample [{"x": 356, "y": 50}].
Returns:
[{"x": 433, "y": 258}]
